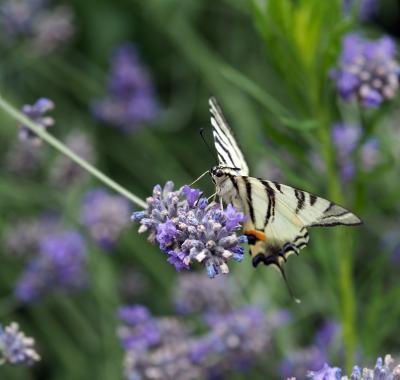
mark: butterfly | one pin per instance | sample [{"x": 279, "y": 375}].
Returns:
[{"x": 278, "y": 215}]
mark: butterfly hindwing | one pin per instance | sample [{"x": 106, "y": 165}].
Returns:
[
  {"x": 229, "y": 153},
  {"x": 284, "y": 213}
]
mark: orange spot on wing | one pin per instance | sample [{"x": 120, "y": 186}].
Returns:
[{"x": 257, "y": 234}]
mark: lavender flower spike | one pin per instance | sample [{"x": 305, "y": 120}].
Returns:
[
  {"x": 130, "y": 99},
  {"x": 189, "y": 229},
  {"x": 36, "y": 113},
  {"x": 16, "y": 347},
  {"x": 384, "y": 370},
  {"x": 105, "y": 215},
  {"x": 368, "y": 70}
]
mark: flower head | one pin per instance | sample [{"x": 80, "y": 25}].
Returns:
[
  {"x": 16, "y": 347},
  {"x": 59, "y": 265},
  {"x": 24, "y": 159},
  {"x": 53, "y": 29},
  {"x": 64, "y": 172},
  {"x": 367, "y": 70},
  {"x": 195, "y": 293},
  {"x": 384, "y": 370},
  {"x": 36, "y": 113},
  {"x": 105, "y": 215},
  {"x": 131, "y": 97},
  {"x": 17, "y": 17},
  {"x": 23, "y": 239},
  {"x": 188, "y": 229}
]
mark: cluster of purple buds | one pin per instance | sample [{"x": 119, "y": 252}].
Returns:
[
  {"x": 130, "y": 99},
  {"x": 347, "y": 138},
  {"x": 105, "y": 215},
  {"x": 59, "y": 265},
  {"x": 195, "y": 293},
  {"x": 187, "y": 228},
  {"x": 368, "y": 70},
  {"x": 15, "y": 347},
  {"x": 165, "y": 348},
  {"x": 36, "y": 113},
  {"x": 384, "y": 370},
  {"x": 46, "y": 30}
]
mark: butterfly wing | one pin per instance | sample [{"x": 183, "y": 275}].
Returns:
[
  {"x": 229, "y": 153},
  {"x": 283, "y": 214}
]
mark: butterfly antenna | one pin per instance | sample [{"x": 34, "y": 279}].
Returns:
[
  {"x": 199, "y": 178},
  {"x": 207, "y": 145},
  {"x": 288, "y": 286}
]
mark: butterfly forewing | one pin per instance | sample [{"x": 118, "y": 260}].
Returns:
[{"x": 229, "y": 153}]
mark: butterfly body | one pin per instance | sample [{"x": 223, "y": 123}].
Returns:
[{"x": 277, "y": 215}]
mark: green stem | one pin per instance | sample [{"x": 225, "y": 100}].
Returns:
[
  {"x": 44, "y": 135},
  {"x": 344, "y": 251}
]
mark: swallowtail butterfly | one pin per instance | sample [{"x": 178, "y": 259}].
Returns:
[{"x": 277, "y": 215}]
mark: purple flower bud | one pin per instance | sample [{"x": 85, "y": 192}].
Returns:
[
  {"x": 367, "y": 70},
  {"x": 15, "y": 347}
]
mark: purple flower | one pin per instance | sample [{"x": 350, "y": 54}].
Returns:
[
  {"x": 384, "y": 370},
  {"x": 187, "y": 229},
  {"x": 105, "y": 215},
  {"x": 131, "y": 96},
  {"x": 325, "y": 373},
  {"x": 16, "y": 347},
  {"x": 59, "y": 265},
  {"x": 17, "y": 18},
  {"x": 369, "y": 154},
  {"x": 24, "y": 159},
  {"x": 368, "y": 8},
  {"x": 46, "y": 30},
  {"x": 37, "y": 114},
  {"x": 195, "y": 293},
  {"x": 367, "y": 70},
  {"x": 64, "y": 172},
  {"x": 23, "y": 239},
  {"x": 53, "y": 30}
]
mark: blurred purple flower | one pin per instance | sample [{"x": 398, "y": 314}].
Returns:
[
  {"x": 15, "y": 347},
  {"x": 368, "y": 8},
  {"x": 53, "y": 29},
  {"x": 384, "y": 370},
  {"x": 60, "y": 265},
  {"x": 131, "y": 96},
  {"x": 17, "y": 17},
  {"x": 327, "y": 334},
  {"x": 195, "y": 293},
  {"x": 188, "y": 229},
  {"x": 36, "y": 113},
  {"x": 325, "y": 373},
  {"x": 23, "y": 238},
  {"x": 46, "y": 30},
  {"x": 367, "y": 70},
  {"x": 66, "y": 173},
  {"x": 24, "y": 159},
  {"x": 105, "y": 215},
  {"x": 164, "y": 348}
]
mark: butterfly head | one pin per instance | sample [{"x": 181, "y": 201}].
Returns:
[{"x": 221, "y": 173}]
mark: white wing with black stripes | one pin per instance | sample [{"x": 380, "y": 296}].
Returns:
[
  {"x": 228, "y": 151},
  {"x": 283, "y": 213}
]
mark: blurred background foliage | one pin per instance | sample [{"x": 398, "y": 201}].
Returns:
[{"x": 269, "y": 64}]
